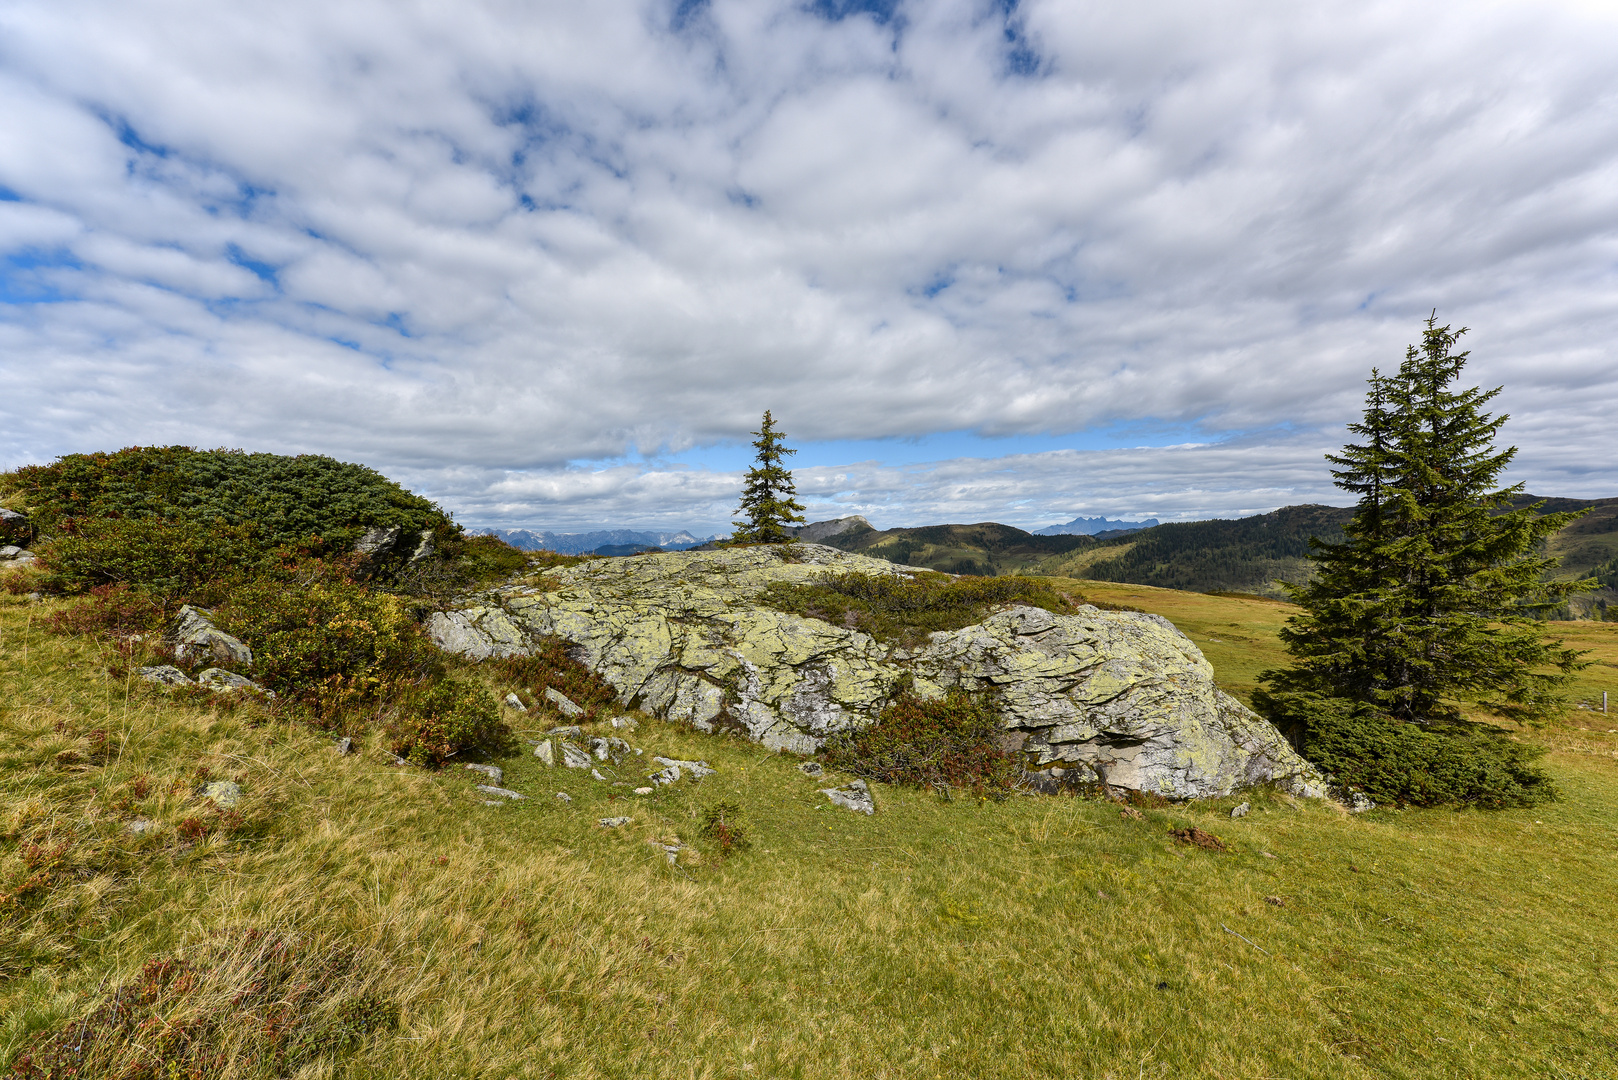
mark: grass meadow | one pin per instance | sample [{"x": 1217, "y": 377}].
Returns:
[{"x": 1041, "y": 936}]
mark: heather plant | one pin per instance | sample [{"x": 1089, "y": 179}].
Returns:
[{"x": 939, "y": 743}]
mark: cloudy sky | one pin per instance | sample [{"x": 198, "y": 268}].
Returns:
[{"x": 1016, "y": 260}]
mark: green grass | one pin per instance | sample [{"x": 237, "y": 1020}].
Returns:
[{"x": 1035, "y": 937}]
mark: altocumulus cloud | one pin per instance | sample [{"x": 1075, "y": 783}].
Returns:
[{"x": 538, "y": 260}]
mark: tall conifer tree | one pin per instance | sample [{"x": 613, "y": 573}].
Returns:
[
  {"x": 768, "y": 502},
  {"x": 1429, "y": 600}
]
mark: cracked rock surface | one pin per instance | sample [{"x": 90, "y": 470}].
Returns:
[{"x": 1120, "y": 697}]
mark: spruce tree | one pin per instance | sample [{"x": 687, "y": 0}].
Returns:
[
  {"x": 768, "y": 502},
  {"x": 1429, "y": 601}
]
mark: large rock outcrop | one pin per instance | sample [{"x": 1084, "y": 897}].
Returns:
[{"x": 1096, "y": 695}]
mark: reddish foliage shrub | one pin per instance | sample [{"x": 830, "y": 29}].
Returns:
[
  {"x": 944, "y": 743},
  {"x": 439, "y": 719},
  {"x": 112, "y": 609},
  {"x": 550, "y": 665}
]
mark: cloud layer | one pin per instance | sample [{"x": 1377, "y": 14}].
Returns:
[{"x": 496, "y": 249}]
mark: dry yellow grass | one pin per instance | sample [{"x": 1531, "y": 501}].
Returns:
[{"x": 1036, "y": 937}]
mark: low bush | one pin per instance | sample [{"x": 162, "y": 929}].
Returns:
[
  {"x": 118, "y": 610},
  {"x": 1404, "y": 764},
  {"x": 721, "y": 824},
  {"x": 178, "y": 557},
  {"x": 331, "y": 643},
  {"x": 892, "y": 608},
  {"x": 442, "y": 718},
  {"x": 940, "y": 743},
  {"x": 551, "y": 665}
]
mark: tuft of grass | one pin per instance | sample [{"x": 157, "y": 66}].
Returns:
[{"x": 721, "y": 824}]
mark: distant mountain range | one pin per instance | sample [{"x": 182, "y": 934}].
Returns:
[
  {"x": 598, "y": 542},
  {"x": 1091, "y": 526}
]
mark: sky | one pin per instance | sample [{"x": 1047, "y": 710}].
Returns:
[{"x": 1012, "y": 260}]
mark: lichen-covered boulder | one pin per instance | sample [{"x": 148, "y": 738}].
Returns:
[
  {"x": 196, "y": 638},
  {"x": 1119, "y": 697}
]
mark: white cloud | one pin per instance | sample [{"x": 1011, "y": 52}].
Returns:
[{"x": 471, "y": 243}]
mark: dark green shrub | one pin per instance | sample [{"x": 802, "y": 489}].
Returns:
[
  {"x": 1399, "y": 763},
  {"x": 942, "y": 743},
  {"x": 441, "y": 718},
  {"x": 894, "y": 609},
  {"x": 330, "y": 643},
  {"x": 550, "y": 665},
  {"x": 173, "y": 556}
]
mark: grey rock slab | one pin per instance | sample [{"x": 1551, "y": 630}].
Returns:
[
  {"x": 167, "y": 674},
  {"x": 614, "y": 822},
  {"x": 219, "y": 679},
  {"x": 493, "y": 772},
  {"x": 1240, "y": 811},
  {"x": 669, "y": 775},
  {"x": 855, "y": 796},
  {"x": 625, "y": 723},
  {"x": 424, "y": 546},
  {"x": 573, "y": 757},
  {"x": 644, "y": 790},
  {"x": 545, "y": 753},
  {"x": 562, "y": 796},
  {"x": 477, "y": 632},
  {"x": 562, "y": 702},
  {"x": 12, "y": 517},
  {"x": 196, "y": 638},
  {"x": 600, "y": 748},
  {"x": 1359, "y": 802},
  {"x": 345, "y": 746},
  {"x": 378, "y": 540},
  {"x": 697, "y": 769},
  {"x": 812, "y": 769},
  {"x": 224, "y": 793},
  {"x": 504, "y": 793},
  {"x": 572, "y": 731},
  {"x": 515, "y": 702},
  {"x": 597, "y": 776}
]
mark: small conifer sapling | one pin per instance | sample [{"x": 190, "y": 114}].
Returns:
[{"x": 769, "y": 506}]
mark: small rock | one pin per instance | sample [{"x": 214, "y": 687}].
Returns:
[
  {"x": 644, "y": 790},
  {"x": 573, "y": 731},
  {"x": 141, "y": 826},
  {"x": 504, "y": 793},
  {"x": 1275, "y": 901},
  {"x": 167, "y": 674},
  {"x": 195, "y": 638},
  {"x": 563, "y": 796},
  {"x": 224, "y": 793},
  {"x": 544, "y": 752},
  {"x": 1359, "y": 802},
  {"x": 628, "y": 723},
  {"x": 600, "y": 748},
  {"x": 219, "y": 679},
  {"x": 424, "y": 546},
  {"x": 672, "y": 851},
  {"x": 812, "y": 769},
  {"x": 1240, "y": 811},
  {"x": 515, "y": 702},
  {"x": 493, "y": 772},
  {"x": 669, "y": 775},
  {"x": 1266, "y": 854},
  {"x": 614, "y": 822},
  {"x": 596, "y": 775},
  {"x": 856, "y": 796},
  {"x": 573, "y": 757},
  {"x": 345, "y": 745},
  {"x": 697, "y": 769},
  {"x": 560, "y": 700},
  {"x": 1129, "y": 813}
]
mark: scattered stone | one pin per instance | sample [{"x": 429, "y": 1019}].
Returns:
[
  {"x": 644, "y": 790},
  {"x": 856, "y": 796},
  {"x": 13, "y": 517},
  {"x": 563, "y": 796},
  {"x": 597, "y": 776},
  {"x": 671, "y": 851},
  {"x": 625, "y": 723},
  {"x": 812, "y": 769},
  {"x": 1129, "y": 813},
  {"x": 1359, "y": 802},
  {"x": 504, "y": 793},
  {"x": 141, "y": 826},
  {"x": 345, "y": 746},
  {"x": 560, "y": 700},
  {"x": 477, "y": 632},
  {"x": 224, "y": 793},
  {"x": 698, "y": 769},
  {"x": 1266, "y": 854},
  {"x": 669, "y": 775},
  {"x": 515, "y": 702},
  {"x": 544, "y": 752},
  {"x": 614, "y": 822},
  {"x": 167, "y": 674},
  {"x": 493, "y": 772},
  {"x": 600, "y": 748},
  {"x": 1275, "y": 901},
  {"x": 1240, "y": 811},
  {"x": 196, "y": 638},
  {"x": 15, "y": 556},
  {"x": 572, "y": 731},
  {"x": 573, "y": 757},
  {"x": 219, "y": 679}
]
